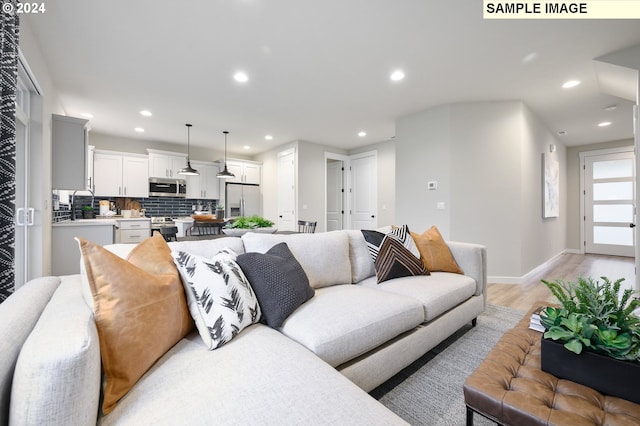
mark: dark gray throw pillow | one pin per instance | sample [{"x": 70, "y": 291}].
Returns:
[{"x": 278, "y": 280}]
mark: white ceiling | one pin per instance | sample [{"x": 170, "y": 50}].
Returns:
[{"x": 319, "y": 70}]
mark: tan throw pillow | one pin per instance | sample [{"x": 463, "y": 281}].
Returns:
[
  {"x": 140, "y": 310},
  {"x": 435, "y": 252}
]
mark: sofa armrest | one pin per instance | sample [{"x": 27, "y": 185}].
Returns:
[{"x": 472, "y": 259}]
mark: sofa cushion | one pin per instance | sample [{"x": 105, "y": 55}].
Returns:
[
  {"x": 208, "y": 248},
  {"x": 345, "y": 321},
  {"x": 19, "y": 313},
  {"x": 434, "y": 251},
  {"x": 323, "y": 256},
  {"x": 125, "y": 290},
  {"x": 57, "y": 377},
  {"x": 361, "y": 262},
  {"x": 260, "y": 378},
  {"x": 278, "y": 280},
  {"x": 437, "y": 292},
  {"x": 220, "y": 298}
]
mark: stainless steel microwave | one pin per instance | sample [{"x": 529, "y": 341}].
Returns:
[{"x": 159, "y": 187}]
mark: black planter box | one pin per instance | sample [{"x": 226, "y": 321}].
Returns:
[{"x": 607, "y": 375}]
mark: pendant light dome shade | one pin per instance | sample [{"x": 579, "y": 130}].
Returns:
[
  {"x": 225, "y": 173},
  {"x": 188, "y": 171}
]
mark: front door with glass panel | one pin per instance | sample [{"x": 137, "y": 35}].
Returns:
[{"x": 609, "y": 201}]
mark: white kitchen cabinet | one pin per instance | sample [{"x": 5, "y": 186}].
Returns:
[
  {"x": 132, "y": 230},
  {"x": 245, "y": 171},
  {"x": 120, "y": 175},
  {"x": 205, "y": 185},
  {"x": 69, "y": 153},
  {"x": 164, "y": 164}
]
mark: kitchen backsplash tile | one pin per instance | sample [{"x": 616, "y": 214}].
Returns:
[{"x": 154, "y": 206}]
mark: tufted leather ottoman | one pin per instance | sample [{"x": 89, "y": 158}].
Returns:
[{"x": 509, "y": 388}]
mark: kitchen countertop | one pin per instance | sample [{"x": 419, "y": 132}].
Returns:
[{"x": 96, "y": 222}]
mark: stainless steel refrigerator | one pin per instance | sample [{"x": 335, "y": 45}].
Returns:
[{"x": 242, "y": 200}]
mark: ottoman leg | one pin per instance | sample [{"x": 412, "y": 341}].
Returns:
[
  {"x": 469, "y": 416},
  {"x": 474, "y": 322}
]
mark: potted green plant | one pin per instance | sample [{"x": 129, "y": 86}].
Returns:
[
  {"x": 593, "y": 337},
  {"x": 220, "y": 211},
  {"x": 87, "y": 212},
  {"x": 244, "y": 224}
]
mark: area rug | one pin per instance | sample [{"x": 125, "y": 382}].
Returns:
[{"x": 429, "y": 391}]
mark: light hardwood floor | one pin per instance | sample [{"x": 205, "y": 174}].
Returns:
[{"x": 566, "y": 267}]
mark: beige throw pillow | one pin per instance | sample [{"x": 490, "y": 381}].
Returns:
[
  {"x": 435, "y": 252},
  {"x": 140, "y": 310}
]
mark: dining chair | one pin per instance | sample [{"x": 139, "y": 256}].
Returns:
[
  {"x": 169, "y": 232},
  {"x": 306, "y": 226}
]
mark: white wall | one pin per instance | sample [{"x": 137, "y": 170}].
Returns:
[
  {"x": 422, "y": 151},
  {"x": 486, "y": 158}
]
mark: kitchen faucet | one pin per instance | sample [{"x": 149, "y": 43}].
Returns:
[{"x": 73, "y": 198}]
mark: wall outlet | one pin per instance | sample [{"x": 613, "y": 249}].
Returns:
[
  {"x": 432, "y": 185},
  {"x": 440, "y": 205}
]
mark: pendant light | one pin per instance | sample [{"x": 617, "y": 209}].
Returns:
[
  {"x": 188, "y": 171},
  {"x": 225, "y": 173}
]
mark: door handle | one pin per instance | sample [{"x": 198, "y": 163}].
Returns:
[
  {"x": 19, "y": 215},
  {"x": 30, "y": 214},
  {"x": 372, "y": 216},
  {"x": 632, "y": 225}
]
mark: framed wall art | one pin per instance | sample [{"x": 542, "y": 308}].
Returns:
[{"x": 551, "y": 187}]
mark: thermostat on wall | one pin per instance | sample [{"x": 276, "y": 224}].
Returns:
[{"x": 432, "y": 185}]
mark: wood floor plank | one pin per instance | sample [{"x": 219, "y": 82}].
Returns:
[{"x": 567, "y": 267}]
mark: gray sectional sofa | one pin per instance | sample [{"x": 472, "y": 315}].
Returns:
[{"x": 317, "y": 368}]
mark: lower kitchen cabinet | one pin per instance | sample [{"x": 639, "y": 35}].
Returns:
[
  {"x": 65, "y": 254},
  {"x": 132, "y": 230}
]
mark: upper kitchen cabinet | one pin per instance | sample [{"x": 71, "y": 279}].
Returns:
[
  {"x": 120, "y": 174},
  {"x": 245, "y": 171},
  {"x": 69, "y": 152},
  {"x": 163, "y": 164},
  {"x": 205, "y": 185}
]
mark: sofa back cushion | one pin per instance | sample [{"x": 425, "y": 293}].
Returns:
[
  {"x": 18, "y": 315},
  {"x": 57, "y": 376},
  {"x": 361, "y": 263},
  {"x": 208, "y": 248},
  {"x": 323, "y": 256}
]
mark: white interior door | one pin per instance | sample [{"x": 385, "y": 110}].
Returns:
[
  {"x": 335, "y": 194},
  {"x": 364, "y": 189},
  {"x": 609, "y": 203},
  {"x": 286, "y": 191},
  {"x": 22, "y": 215}
]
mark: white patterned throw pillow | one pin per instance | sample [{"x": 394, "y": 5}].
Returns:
[{"x": 220, "y": 299}]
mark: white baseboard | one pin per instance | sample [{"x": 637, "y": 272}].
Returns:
[{"x": 528, "y": 275}]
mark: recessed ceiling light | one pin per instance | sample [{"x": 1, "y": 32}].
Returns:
[
  {"x": 268, "y": 137},
  {"x": 611, "y": 107},
  {"x": 571, "y": 83},
  {"x": 530, "y": 57},
  {"x": 241, "y": 77},
  {"x": 362, "y": 134},
  {"x": 86, "y": 115},
  {"x": 397, "y": 75},
  {"x": 139, "y": 129},
  {"x": 604, "y": 124},
  {"x": 246, "y": 147},
  {"x": 146, "y": 113}
]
